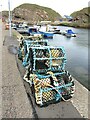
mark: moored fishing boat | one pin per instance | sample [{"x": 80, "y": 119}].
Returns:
[
  {"x": 47, "y": 34},
  {"x": 70, "y": 33},
  {"x": 34, "y": 32},
  {"x": 44, "y": 30}
]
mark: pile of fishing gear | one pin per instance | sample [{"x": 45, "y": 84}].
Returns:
[{"x": 45, "y": 71}]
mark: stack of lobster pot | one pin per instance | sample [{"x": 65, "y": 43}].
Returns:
[{"x": 45, "y": 72}]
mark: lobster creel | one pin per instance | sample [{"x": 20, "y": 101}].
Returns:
[{"x": 52, "y": 87}]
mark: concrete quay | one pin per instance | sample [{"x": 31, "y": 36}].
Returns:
[{"x": 16, "y": 103}]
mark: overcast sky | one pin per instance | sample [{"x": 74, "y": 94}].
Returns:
[{"x": 63, "y": 7}]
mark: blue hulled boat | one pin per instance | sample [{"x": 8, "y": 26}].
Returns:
[
  {"x": 34, "y": 32},
  {"x": 47, "y": 34},
  {"x": 70, "y": 33}
]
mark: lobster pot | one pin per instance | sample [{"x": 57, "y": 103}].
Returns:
[
  {"x": 43, "y": 97},
  {"x": 52, "y": 87},
  {"x": 29, "y": 43},
  {"x": 47, "y": 58},
  {"x": 25, "y": 44},
  {"x": 35, "y": 42}
]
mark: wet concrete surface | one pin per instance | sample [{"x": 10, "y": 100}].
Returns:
[
  {"x": 10, "y": 41},
  {"x": 13, "y": 49}
]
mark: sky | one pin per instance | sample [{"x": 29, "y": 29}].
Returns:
[{"x": 63, "y": 7}]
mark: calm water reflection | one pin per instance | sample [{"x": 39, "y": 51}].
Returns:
[{"x": 76, "y": 51}]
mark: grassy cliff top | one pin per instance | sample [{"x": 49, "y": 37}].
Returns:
[
  {"x": 85, "y": 12},
  {"x": 33, "y": 12},
  {"x": 82, "y": 17}
]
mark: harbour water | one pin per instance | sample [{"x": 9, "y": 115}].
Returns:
[{"x": 76, "y": 51}]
